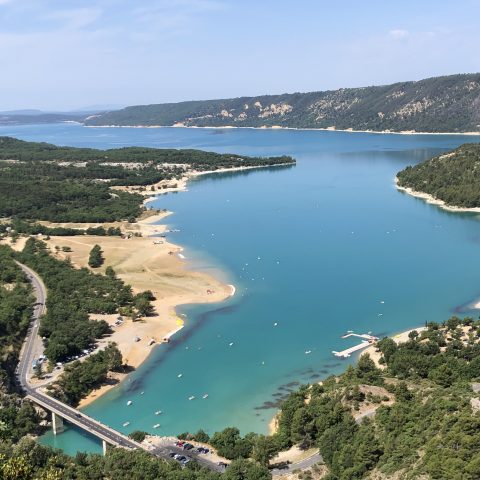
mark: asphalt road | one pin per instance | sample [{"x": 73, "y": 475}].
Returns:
[
  {"x": 301, "y": 465},
  {"x": 33, "y": 345},
  {"x": 30, "y": 349}
]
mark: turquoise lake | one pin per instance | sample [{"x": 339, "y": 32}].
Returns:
[{"x": 313, "y": 248}]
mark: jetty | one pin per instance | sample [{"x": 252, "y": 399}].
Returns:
[{"x": 367, "y": 341}]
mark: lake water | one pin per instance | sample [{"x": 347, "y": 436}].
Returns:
[{"x": 313, "y": 250}]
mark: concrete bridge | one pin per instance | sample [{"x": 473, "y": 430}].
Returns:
[
  {"x": 59, "y": 410},
  {"x": 32, "y": 348}
]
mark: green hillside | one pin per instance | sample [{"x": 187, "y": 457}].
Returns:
[
  {"x": 40, "y": 181},
  {"x": 439, "y": 104},
  {"x": 452, "y": 177}
]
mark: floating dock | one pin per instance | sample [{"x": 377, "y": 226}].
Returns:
[{"x": 367, "y": 341}]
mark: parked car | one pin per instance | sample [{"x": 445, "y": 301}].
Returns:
[{"x": 188, "y": 446}]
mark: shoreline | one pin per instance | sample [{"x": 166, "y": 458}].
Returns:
[
  {"x": 173, "y": 186},
  {"x": 145, "y": 265},
  {"x": 279, "y": 127},
  {"x": 435, "y": 201},
  {"x": 400, "y": 337}
]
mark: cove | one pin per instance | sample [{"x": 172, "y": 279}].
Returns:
[{"x": 313, "y": 250}]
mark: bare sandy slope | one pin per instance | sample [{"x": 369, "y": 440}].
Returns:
[{"x": 145, "y": 266}]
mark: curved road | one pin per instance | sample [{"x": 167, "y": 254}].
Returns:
[
  {"x": 31, "y": 348},
  {"x": 301, "y": 465}
]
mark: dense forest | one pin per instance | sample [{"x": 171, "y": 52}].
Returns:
[
  {"x": 40, "y": 181},
  {"x": 452, "y": 177},
  {"x": 17, "y": 418},
  {"x": 438, "y": 104}
]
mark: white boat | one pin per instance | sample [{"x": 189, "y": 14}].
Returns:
[
  {"x": 129, "y": 402},
  {"x": 307, "y": 352},
  {"x": 191, "y": 397},
  {"x": 141, "y": 393},
  {"x": 156, "y": 425},
  {"x": 205, "y": 395},
  {"x": 230, "y": 344},
  {"x": 158, "y": 412},
  {"x": 275, "y": 324},
  {"x": 180, "y": 375},
  {"x": 126, "y": 424}
]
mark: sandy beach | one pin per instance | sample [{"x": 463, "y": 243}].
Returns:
[
  {"x": 180, "y": 185},
  {"x": 398, "y": 338},
  {"x": 434, "y": 201},
  {"x": 144, "y": 265},
  {"x": 279, "y": 127}
]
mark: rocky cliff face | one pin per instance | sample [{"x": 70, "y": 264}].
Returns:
[{"x": 440, "y": 104}]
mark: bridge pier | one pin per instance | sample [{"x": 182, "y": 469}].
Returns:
[
  {"x": 57, "y": 423},
  {"x": 104, "y": 446}
]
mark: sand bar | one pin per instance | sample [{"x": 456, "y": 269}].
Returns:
[
  {"x": 435, "y": 201},
  {"x": 144, "y": 265}
]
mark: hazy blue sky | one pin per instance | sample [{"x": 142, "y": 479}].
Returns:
[{"x": 63, "y": 54}]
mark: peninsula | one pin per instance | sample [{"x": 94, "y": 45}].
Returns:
[
  {"x": 450, "y": 180},
  {"x": 77, "y": 200}
]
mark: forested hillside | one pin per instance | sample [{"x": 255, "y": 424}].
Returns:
[
  {"x": 439, "y": 104},
  {"x": 40, "y": 181},
  {"x": 452, "y": 177}
]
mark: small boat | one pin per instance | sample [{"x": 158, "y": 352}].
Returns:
[
  {"x": 156, "y": 425},
  {"x": 382, "y": 301},
  {"x": 275, "y": 324},
  {"x": 307, "y": 352},
  {"x": 230, "y": 344},
  {"x": 205, "y": 395},
  {"x": 192, "y": 397},
  {"x": 158, "y": 412},
  {"x": 126, "y": 424},
  {"x": 380, "y": 314},
  {"x": 180, "y": 375},
  {"x": 129, "y": 402},
  {"x": 141, "y": 393}
]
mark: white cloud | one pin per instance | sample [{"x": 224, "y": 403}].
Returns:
[
  {"x": 398, "y": 34},
  {"x": 75, "y": 18}
]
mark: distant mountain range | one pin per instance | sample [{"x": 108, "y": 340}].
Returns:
[
  {"x": 439, "y": 104},
  {"x": 32, "y": 116}
]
